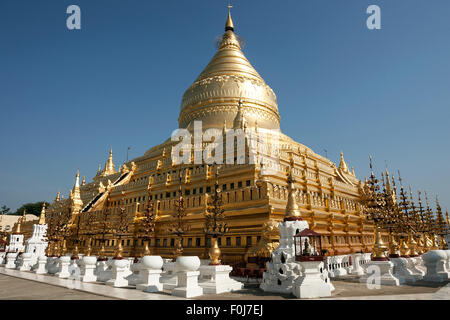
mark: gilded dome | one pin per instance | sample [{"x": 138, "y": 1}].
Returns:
[{"x": 229, "y": 76}]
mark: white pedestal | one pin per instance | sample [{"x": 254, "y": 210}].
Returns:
[
  {"x": 356, "y": 265},
  {"x": 104, "y": 270},
  {"x": 447, "y": 252},
  {"x": 187, "y": 285},
  {"x": 187, "y": 277},
  {"x": 216, "y": 279},
  {"x": 386, "y": 273},
  {"x": 135, "y": 278},
  {"x": 41, "y": 265},
  {"x": 119, "y": 272},
  {"x": 26, "y": 262},
  {"x": 435, "y": 262},
  {"x": 150, "y": 273},
  {"x": 150, "y": 281},
  {"x": 11, "y": 260},
  {"x": 403, "y": 272},
  {"x": 52, "y": 265},
  {"x": 75, "y": 269},
  {"x": 310, "y": 283},
  {"x": 412, "y": 265},
  {"x": 63, "y": 267},
  {"x": 87, "y": 269}
]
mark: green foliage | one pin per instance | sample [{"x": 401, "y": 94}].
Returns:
[
  {"x": 5, "y": 210},
  {"x": 31, "y": 208}
]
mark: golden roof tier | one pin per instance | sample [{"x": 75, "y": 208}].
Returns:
[{"x": 229, "y": 76}]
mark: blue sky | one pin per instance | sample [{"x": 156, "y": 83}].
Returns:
[{"x": 66, "y": 96}]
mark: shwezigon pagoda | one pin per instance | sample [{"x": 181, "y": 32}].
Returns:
[{"x": 111, "y": 212}]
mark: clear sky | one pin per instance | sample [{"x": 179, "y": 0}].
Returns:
[{"x": 67, "y": 96}]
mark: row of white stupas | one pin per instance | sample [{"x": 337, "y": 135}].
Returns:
[{"x": 190, "y": 276}]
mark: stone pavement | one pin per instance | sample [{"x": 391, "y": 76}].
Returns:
[
  {"x": 12, "y": 288},
  {"x": 26, "y": 285}
]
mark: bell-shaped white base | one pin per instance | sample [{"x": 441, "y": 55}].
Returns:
[
  {"x": 187, "y": 277},
  {"x": 119, "y": 272},
  {"x": 11, "y": 260},
  {"x": 436, "y": 264},
  {"x": 216, "y": 279},
  {"x": 25, "y": 264}
]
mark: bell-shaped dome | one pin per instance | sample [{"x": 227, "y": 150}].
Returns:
[{"x": 229, "y": 76}]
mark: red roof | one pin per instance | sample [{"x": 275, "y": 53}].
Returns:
[{"x": 307, "y": 233}]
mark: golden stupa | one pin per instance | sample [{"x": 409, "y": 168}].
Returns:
[{"x": 228, "y": 93}]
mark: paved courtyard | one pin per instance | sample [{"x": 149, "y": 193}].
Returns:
[
  {"x": 12, "y": 288},
  {"x": 23, "y": 285}
]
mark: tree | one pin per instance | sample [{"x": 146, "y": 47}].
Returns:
[
  {"x": 4, "y": 210},
  {"x": 31, "y": 208}
]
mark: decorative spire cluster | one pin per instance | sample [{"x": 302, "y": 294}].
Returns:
[{"x": 401, "y": 216}]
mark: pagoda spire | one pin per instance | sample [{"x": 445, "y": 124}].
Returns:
[
  {"x": 42, "y": 217},
  {"x": 58, "y": 196},
  {"x": 446, "y": 218},
  {"x": 388, "y": 181},
  {"x": 76, "y": 186},
  {"x": 229, "y": 24},
  {"x": 429, "y": 219},
  {"x": 440, "y": 223},
  {"x": 343, "y": 165},
  {"x": 109, "y": 166},
  {"x": 422, "y": 213},
  {"x": 75, "y": 194},
  {"x": 83, "y": 182}
]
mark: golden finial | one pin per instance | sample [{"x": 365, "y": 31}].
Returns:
[
  {"x": 42, "y": 217},
  {"x": 83, "y": 182},
  {"x": 24, "y": 218},
  {"x": 229, "y": 25},
  {"x": 58, "y": 196}
]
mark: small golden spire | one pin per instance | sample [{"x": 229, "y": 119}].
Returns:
[
  {"x": 109, "y": 166},
  {"x": 292, "y": 210},
  {"x": 19, "y": 225},
  {"x": 58, "y": 196},
  {"x": 229, "y": 24},
  {"x": 83, "y": 182},
  {"x": 24, "y": 215},
  {"x": 42, "y": 217}
]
